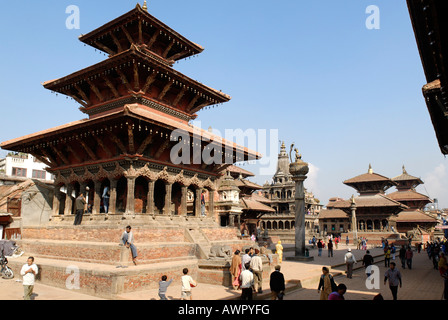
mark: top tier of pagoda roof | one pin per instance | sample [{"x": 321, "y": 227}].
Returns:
[
  {"x": 370, "y": 183},
  {"x": 141, "y": 28}
]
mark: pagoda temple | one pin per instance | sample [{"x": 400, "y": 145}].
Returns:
[
  {"x": 138, "y": 143},
  {"x": 406, "y": 194},
  {"x": 134, "y": 101},
  {"x": 377, "y": 214},
  {"x": 375, "y": 211}
]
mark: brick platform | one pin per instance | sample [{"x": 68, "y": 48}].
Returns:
[{"x": 96, "y": 254}]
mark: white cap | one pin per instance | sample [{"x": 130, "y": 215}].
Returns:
[{"x": 349, "y": 249}]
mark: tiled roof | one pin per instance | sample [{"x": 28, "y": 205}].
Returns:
[
  {"x": 251, "y": 204},
  {"x": 332, "y": 214},
  {"x": 407, "y": 195},
  {"x": 238, "y": 170},
  {"x": 133, "y": 110},
  {"x": 414, "y": 216},
  {"x": 367, "y": 177},
  {"x": 377, "y": 200}
]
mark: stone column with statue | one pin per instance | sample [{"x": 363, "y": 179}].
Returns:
[{"x": 299, "y": 169}]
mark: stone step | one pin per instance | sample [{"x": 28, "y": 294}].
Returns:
[
  {"x": 103, "y": 280},
  {"x": 107, "y": 252}
]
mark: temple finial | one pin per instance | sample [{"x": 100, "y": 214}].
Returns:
[
  {"x": 370, "y": 169},
  {"x": 404, "y": 170},
  {"x": 145, "y": 6}
]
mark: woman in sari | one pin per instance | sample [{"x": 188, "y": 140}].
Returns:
[
  {"x": 235, "y": 269},
  {"x": 326, "y": 284}
]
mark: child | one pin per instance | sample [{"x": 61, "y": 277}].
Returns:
[
  {"x": 187, "y": 283},
  {"x": 163, "y": 286}
]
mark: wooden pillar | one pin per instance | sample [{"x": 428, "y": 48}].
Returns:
[
  {"x": 150, "y": 203},
  {"x": 130, "y": 200},
  {"x": 198, "y": 202},
  {"x": 168, "y": 189},
  {"x": 68, "y": 200},
  {"x": 113, "y": 196},
  {"x": 183, "y": 201},
  {"x": 211, "y": 203},
  {"x": 97, "y": 198},
  {"x": 56, "y": 200}
]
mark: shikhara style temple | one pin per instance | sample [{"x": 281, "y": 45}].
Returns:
[{"x": 138, "y": 142}]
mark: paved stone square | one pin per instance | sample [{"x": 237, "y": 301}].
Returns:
[{"x": 420, "y": 283}]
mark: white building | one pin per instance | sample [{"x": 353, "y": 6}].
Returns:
[{"x": 24, "y": 166}]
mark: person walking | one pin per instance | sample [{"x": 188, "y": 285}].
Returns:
[
  {"x": 277, "y": 284},
  {"x": 394, "y": 277},
  {"x": 367, "y": 261},
  {"x": 326, "y": 284},
  {"x": 402, "y": 256},
  {"x": 245, "y": 259},
  {"x": 235, "y": 269},
  {"x": 29, "y": 272},
  {"x": 409, "y": 256},
  {"x": 256, "y": 265},
  {"x": 80, "y": 206},
  {"x": 127, "y": 238},
  {"x": 163, "y": 287},
  {"x": 247, "y": 283},
  {"x": 339, "y": 293},
  {"x": 187, "y": 283},
  {"x": 392, "y": 251},
  {"x": 330, "y": 248},
  {"x": 319, "y": 247},
  {"x": 349, "y": 260},
  {"x": 387, "y": 257}
]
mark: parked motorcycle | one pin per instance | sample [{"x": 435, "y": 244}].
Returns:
[{"x": 6, "y": 271}]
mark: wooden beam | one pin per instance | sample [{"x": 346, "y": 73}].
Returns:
[
  {"x": 180, "y": 96},
  {"x": 60, "y": 155},
  {"x": 75, "y": 154},
  {"x": 153, "y": 38},
  {"x": 165, "y": 90},
  {"x": 192, "y": 103},
  {"x": 46, "y": 155},
  {"x": 128, "y": 36},
  {"x": 102, "y": 145},
  {"x": 140, "y": 32},
  {"x": 131, "y": 139},
  {"x": 42, "y": 159},
  {"x": 88, "y": 150},
  {"x": 145, "y": 144},
  {"x": 149, "y": 81},
  {"x": 176, "y": 56},
  {"x": 120, "y": 144},
  {"x": 162, "y": 148},
  {"x": 136, "y": 77},
  {"x": 117, "y": 43},
  {"x": 95, "y": 90},
  {"x": 167, "y": 50},
  {"x": 124, "y": 80},
  {"x": 111, "y": 87},
  {"x": 82, "y": 94},
  {"x": 102, "y": 46}
]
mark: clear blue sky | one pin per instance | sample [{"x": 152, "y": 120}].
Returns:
[{"x": 345, "y": 95}]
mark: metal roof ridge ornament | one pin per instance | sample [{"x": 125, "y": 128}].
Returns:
[{"x": 145, "y": 6}]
